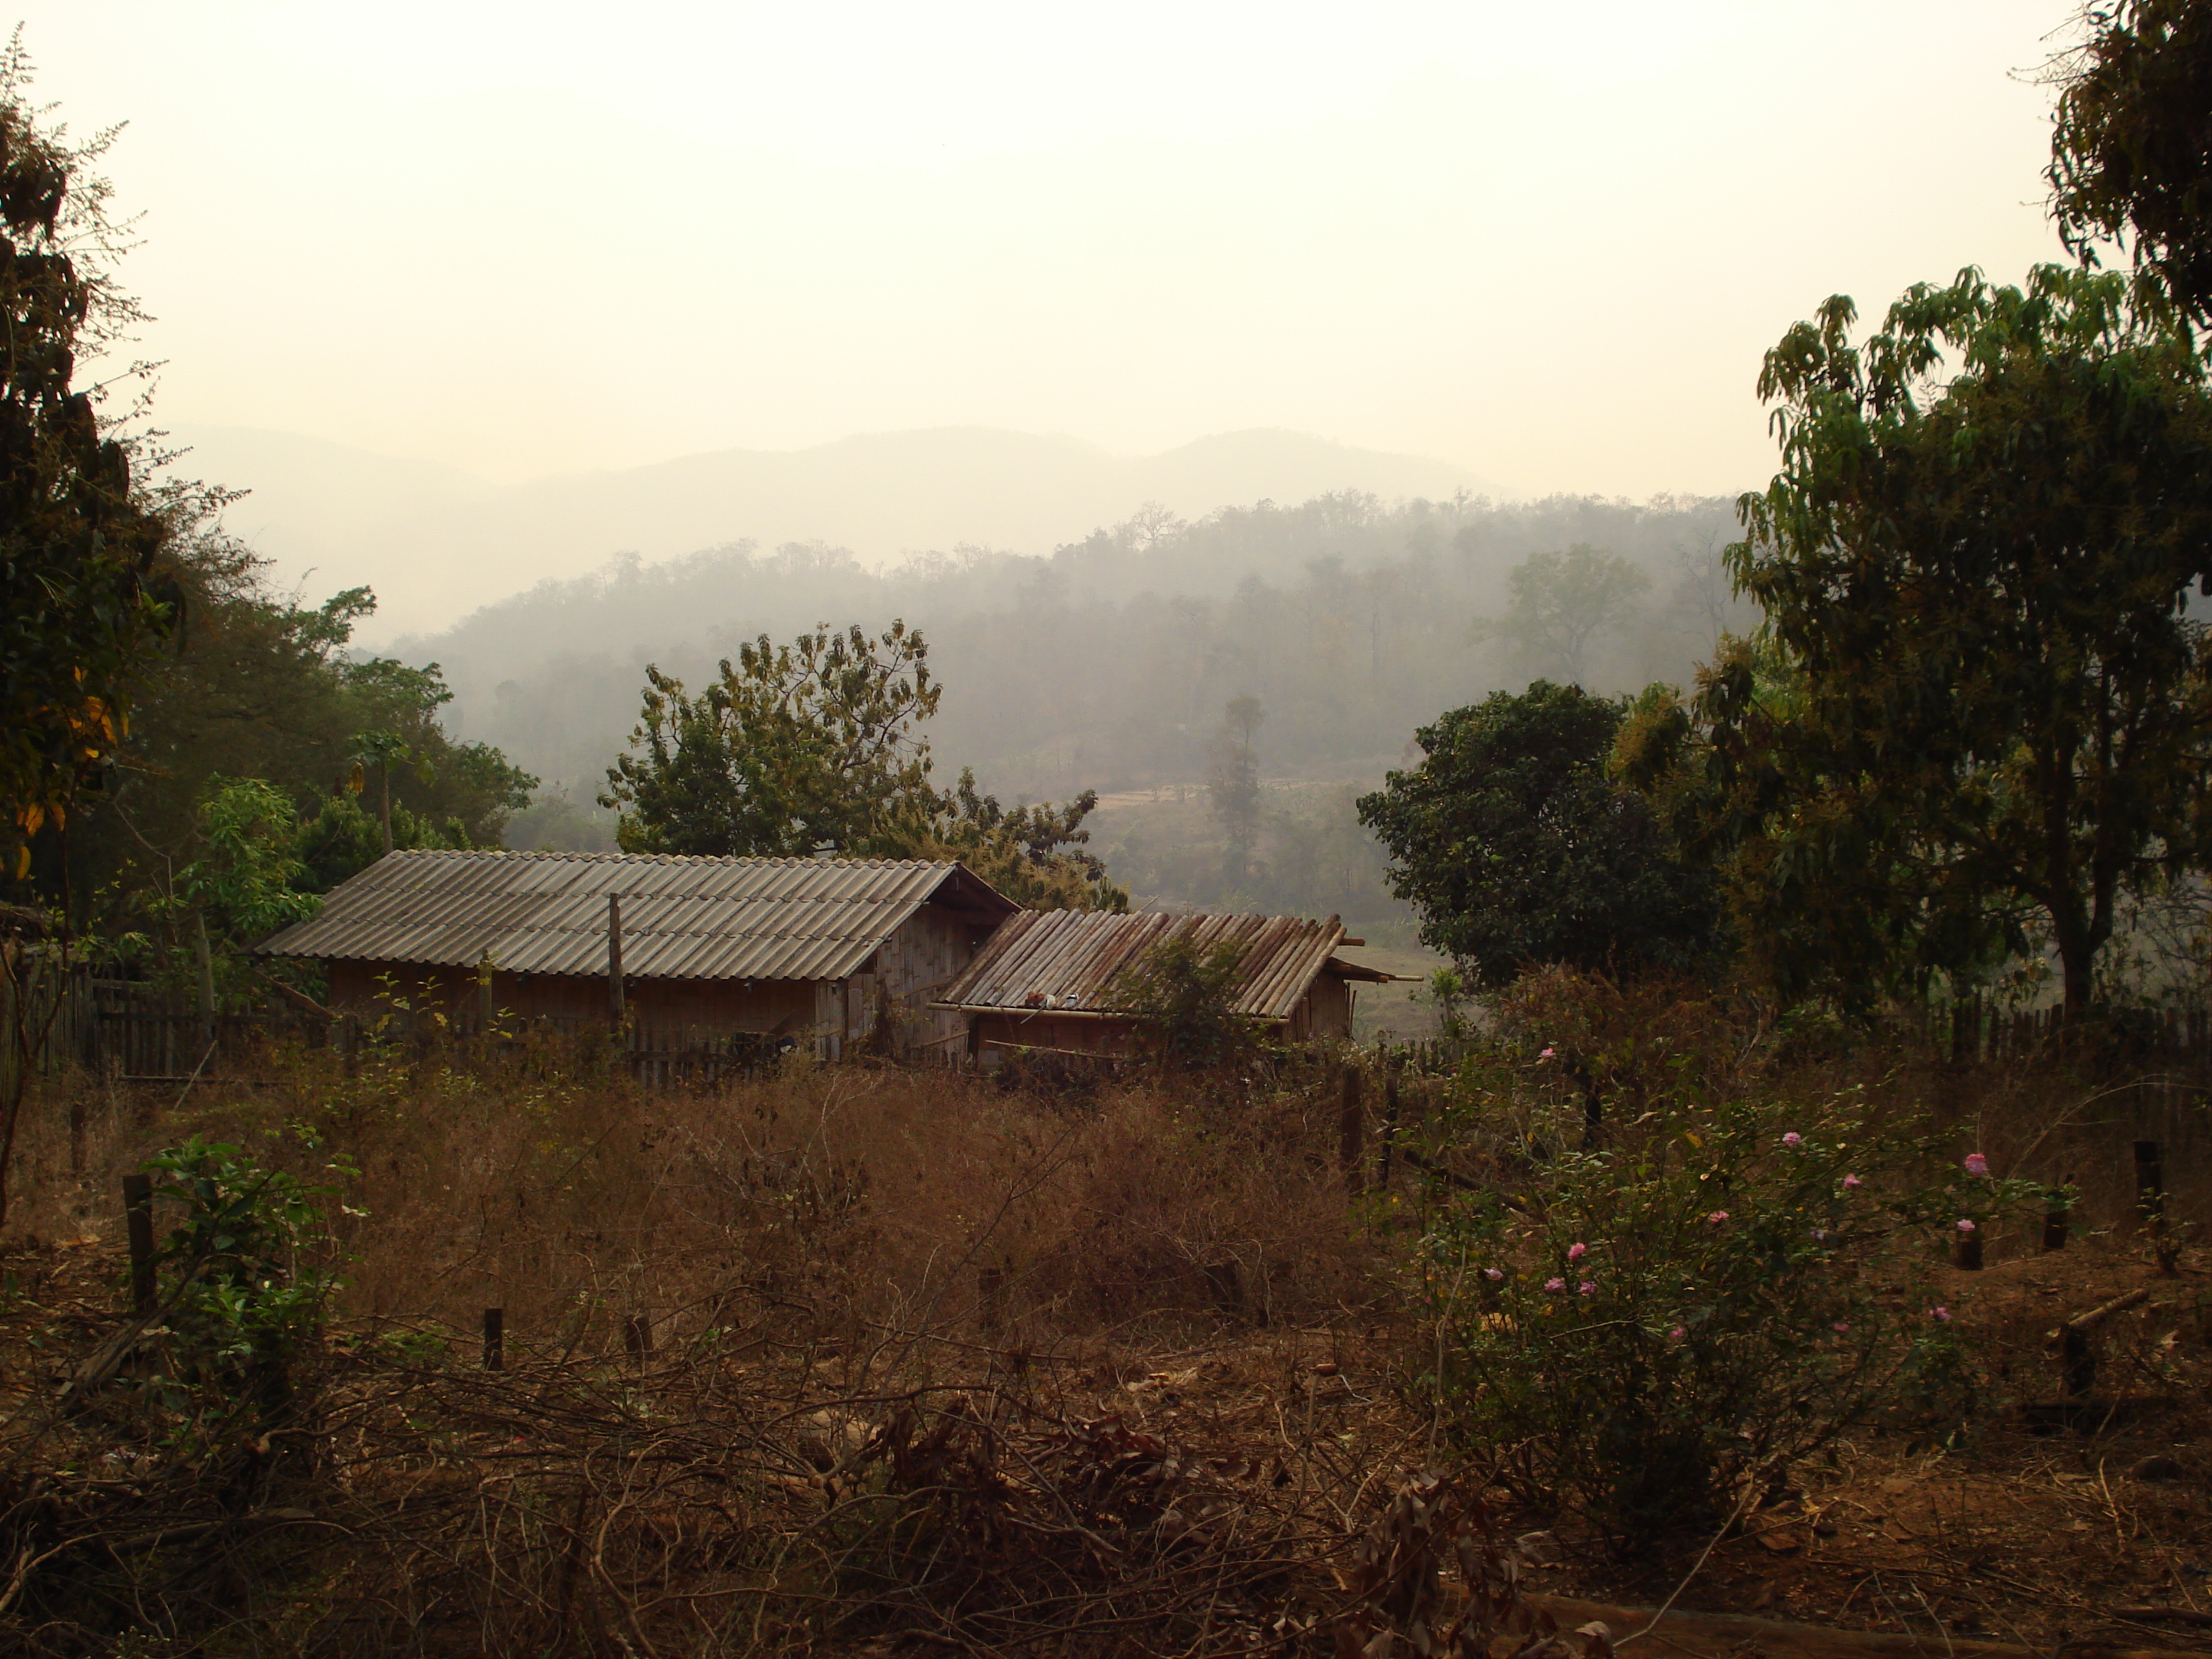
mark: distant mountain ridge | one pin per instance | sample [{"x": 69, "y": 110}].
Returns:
[{"x": 436, "y": 542}]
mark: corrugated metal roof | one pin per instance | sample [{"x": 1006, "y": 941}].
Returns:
[
  {"x": 683, "y": 918},
  {"x": 1067, "y": 959}
]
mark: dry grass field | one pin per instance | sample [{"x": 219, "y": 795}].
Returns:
[{"x": 858, "y": 1359}]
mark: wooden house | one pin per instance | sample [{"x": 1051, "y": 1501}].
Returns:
[
  {"x": 826, "y": 951},
  {"x": 1046, "y": 980}
]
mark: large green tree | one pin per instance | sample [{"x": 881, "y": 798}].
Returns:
[
  {"x": 816, "y": 746},
  {"x": 2131, "y": 149},
  {"x": 1519, "y": 850},
  {"x": 794, "y": 750},
  {"x": 1977, "y": 562},
  {"x": 262, "y": 686}
]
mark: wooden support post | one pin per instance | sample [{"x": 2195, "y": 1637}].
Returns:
[
  {"x": 2055, "y": 1218},
  {"x": 495, "y": 1338},
  {"x": 1968, "y": 1258},
  {"x": 1350, "y": 1129},
  {"x": 637, "y": 1337},
  {"x": 614, "y": 960},
  {"x": 138, "y": 1227},
  {"x": 2150, "y": 1184}
]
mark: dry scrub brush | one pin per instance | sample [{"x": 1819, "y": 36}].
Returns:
[
  {"x": 712, "y": 1504},
  {"x": 863, "y": 1200},
  {"x": 832, "y": 1444}
]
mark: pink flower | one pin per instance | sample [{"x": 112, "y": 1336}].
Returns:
[
  {"x": 1820, "y": 1235},
  {"x": 1577, "y": 1252},
  {"x": 1977, "y": 1164},
  {"x": 1941, "y": 1314},
  {"x": 1677, "y": 1335},
  {"x": 1555, "y": 1285},
  {"x": 1842, "y": 1326},
  {"x": 1965, "y": 1226},
  {"x": 1717, "y": 1218},
  {"x": 1588, "y": 1288},
  {"x": 1851, "y": 1182},
  {"x": 1793, "y": 1140},
  {"x": 1547, "y": 1055},
  {"x": 1494, "y": 1274}
]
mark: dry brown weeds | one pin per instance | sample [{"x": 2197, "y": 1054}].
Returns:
[
  {"x": 788, "y": 1369},
  {"x": 849, "y": 1359}
]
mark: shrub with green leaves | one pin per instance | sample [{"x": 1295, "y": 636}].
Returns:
[
  {"x": 1184, "y": 996},
  {"x": 241, "y": 1302},
  {"x": 1643, "y": 1332}
]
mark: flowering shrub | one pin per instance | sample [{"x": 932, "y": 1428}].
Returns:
[{"x": 1743, "y": 1291}]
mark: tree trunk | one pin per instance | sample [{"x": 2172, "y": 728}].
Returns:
[
  {"x": 203, "y": 958},
  {"x": 2077, "y": 966}
]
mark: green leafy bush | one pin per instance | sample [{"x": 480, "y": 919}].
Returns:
[
  {"x": 1184, "y": 996},
  {"x": 241, "y": 1303},
  {"x": 1643, "y": 1332}
]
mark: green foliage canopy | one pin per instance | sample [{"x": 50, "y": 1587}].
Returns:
[
  {"x": 1976, "y": 560},
  {"x": 2131, "y": 148},
  {"x": 84, "y": 599},
  {"x": 1184, "y": 998},
  {"x": 815, "y": 746},
  {"x": 1032, "y": 853},
  {"x": 1518, "y": 849},
  {"x": 794, "y": 749},
  {"x": 247, "y": 883}
]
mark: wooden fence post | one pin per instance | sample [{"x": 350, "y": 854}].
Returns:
[
  {"x": 2054, "y": 1217},
  {"x": 991, "y": 1300},
  {"x": 637, "y": 1337},
  {"x": 138, "y": 1227},
  {"x": 1389, "y": 1128},
  {"x": 495, "y": 1338},
  {"x": 1351, "y": 1129},
  {"x": 614, "y": 960}
]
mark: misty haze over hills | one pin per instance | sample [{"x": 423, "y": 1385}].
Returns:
[
  {"x": 1089, "y": 615},
  {"x": 436, "y": 542},
  {"x": 1107, "y": 663}
]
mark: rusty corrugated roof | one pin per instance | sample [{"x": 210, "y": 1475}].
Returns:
[
  {"x": 1067, "y": 959},
  {"x": 683, "y": 918}
]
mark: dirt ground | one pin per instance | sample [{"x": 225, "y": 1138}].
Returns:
[{"x": 2089, "y": 1525}]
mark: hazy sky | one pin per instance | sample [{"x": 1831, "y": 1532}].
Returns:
[{"x": 1547, "y": 243}]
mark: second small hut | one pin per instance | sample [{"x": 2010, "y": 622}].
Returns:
[{"x": 1046, "y": 980}]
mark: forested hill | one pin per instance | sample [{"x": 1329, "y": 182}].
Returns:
[
  {"x": 434, "y": 542},
  {"x": 1106, "y": 664}
]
